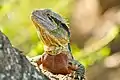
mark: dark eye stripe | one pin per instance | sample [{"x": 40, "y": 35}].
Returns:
[
  {"x": 66, "y": 28},
  {"x": 59, "y": 23},
  {"x": 50, "y": 18}
]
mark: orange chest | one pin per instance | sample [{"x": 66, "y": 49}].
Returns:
[{"x": 55, "y": 63}]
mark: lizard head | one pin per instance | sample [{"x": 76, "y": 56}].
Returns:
[{"x": 51, "y": 28}]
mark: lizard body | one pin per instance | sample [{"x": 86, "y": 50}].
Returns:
[{"x": 55, "y": 34}]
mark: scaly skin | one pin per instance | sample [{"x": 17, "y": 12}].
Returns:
[{"x": 57, "y": 57}]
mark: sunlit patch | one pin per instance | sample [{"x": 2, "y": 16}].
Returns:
[
  {"x": 11, "y": 15},
  {"x": 1, "y": 29},
  {"x": 112, "y": 61},
  {"x": 94, "y": 44}
]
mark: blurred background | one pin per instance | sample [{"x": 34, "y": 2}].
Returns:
[{"x": 94, "y": 26}]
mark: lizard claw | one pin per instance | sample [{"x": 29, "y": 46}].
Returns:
[{"x": 79, "y": 70}]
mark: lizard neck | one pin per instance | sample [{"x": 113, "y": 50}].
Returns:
[{"x": 53, "y": 50}]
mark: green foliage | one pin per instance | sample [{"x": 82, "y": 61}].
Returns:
[
  {"x": 36, "y": 50},
  {"x": 89, "y": 58}
]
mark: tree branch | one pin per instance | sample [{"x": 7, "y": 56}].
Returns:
[{"x": 14, "y": 65}]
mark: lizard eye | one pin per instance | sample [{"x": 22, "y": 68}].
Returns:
[{"x": 63, "y": 25}]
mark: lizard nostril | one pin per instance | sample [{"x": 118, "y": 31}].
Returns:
[
  {"x": 48, "y": 14},
  {"x": 36, "y": 12}
]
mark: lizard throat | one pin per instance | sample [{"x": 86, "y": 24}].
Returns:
[{"x": 53, "y": 50}]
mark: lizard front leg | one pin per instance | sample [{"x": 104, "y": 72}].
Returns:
[{"x": 79, "y": 69}]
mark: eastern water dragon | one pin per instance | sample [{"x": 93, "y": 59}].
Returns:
[{"x": 57, "y": 57}]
